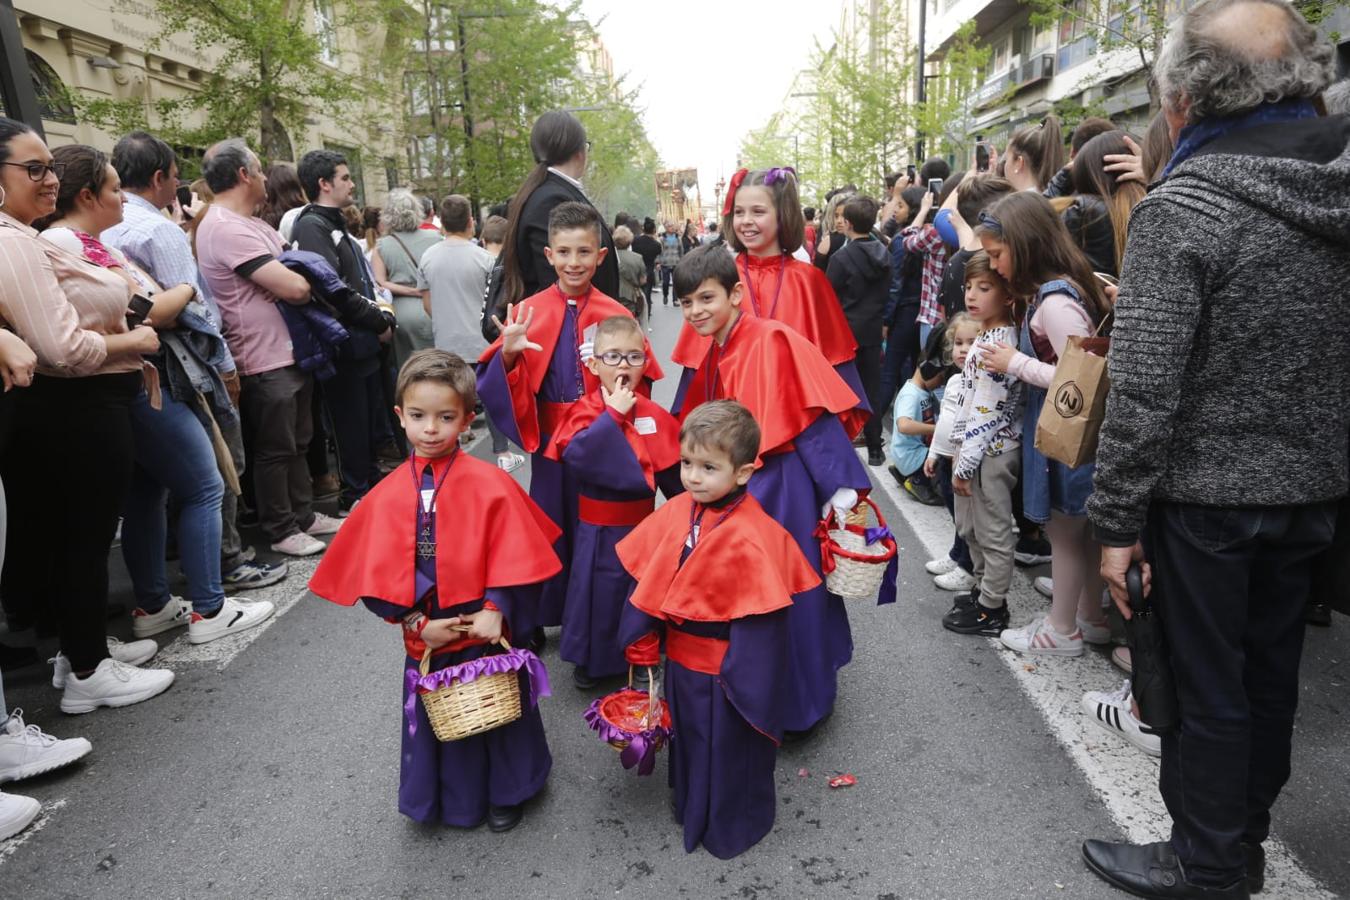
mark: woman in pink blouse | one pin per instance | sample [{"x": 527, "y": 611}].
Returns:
[{"x": 69, "y": 464}]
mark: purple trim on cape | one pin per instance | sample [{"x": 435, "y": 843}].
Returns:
[{"x": 512, "y": 660}]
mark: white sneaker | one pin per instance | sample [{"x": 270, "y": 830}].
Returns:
[
  {"x": 299, "y": 544},
  {"x": 940, "y": 566},
  {"x": 1044, "y": 585},
  {"x": 16, "y": 814},
  {"x": 113, "y": 683},
  {"x": 509, "y": 462},
  {"x": 26, "y": 751},
  {"x": 1111, "y": 710},
  {"x": 323, "y": 525},
  {"x": 132, "y": 654},
  {"x": 174, "y": 614},
  {"x": 1039, "y": 637},
  {"x": 958, "y": 579},
  {"x": 1095, "y": 634},
  {"x": 236, "y": 615}
]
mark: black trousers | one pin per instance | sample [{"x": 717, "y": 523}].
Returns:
[
  {"x": 355, "y": 401},
  {"x": 1229, "y": 586},
  {"x": 868, "y": 362},
  {"x": 67, "y": 470},
  {"x": 902, "y": 354}
]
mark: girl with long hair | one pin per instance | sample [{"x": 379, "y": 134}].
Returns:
[
  {"x": 1029, "y": 246},
  {"x": 1120, "y": 196},
  {"x": 1035, "y": 153}
]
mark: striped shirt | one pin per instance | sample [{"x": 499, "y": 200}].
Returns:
[
  {"x": 925, "y": 240},
  {"x": 61, "y": 304}
]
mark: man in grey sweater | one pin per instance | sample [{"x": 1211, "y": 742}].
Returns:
[{"x": 1228, "y": 425}]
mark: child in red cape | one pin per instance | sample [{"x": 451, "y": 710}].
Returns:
[
  {"x": 536, "y": 370},
  {"x": 763, "y": 224},
  {"x": 806, "y": 466},
  {"x": 717, "y": 578},
  {"x": 617, "y": 447},
  {"x": 457, "y": 574}
]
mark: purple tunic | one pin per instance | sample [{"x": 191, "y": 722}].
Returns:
[
  {"x": 721, "y": 765},
  {"x": 550, "y": 486},
  {"x": 601, "y": 462}
]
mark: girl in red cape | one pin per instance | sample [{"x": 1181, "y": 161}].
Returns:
[
  {"x": 763, "y": 224},
  {"x": 421, "y": 550}
]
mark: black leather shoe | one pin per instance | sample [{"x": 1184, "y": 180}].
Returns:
[
  {"x": 582, "y": 679},
  {"x": 1256, "y": 867},
  {"x": 1317, "y": 614},
  {"x": 504, "y": 818},
  {"x": 537, "y": 641},
  {"x": 1151, "y": 870}
]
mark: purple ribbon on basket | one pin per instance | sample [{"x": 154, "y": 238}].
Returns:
[
  {"x": 642, "y": 747},
  {"x": 512, "y": 660},
  {"x": 888, "y": 590}
]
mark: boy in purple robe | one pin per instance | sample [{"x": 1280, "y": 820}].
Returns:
[
  {"x": 424, "y": 550},
  {"x": 617, "y": 447},
  {"x": 807, "y": 465},
  {"x": 536, "y": 370},
  {"x": 716, "y": 579}
]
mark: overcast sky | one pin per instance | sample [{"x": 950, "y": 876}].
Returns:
[{"x": 709, "y": 70}]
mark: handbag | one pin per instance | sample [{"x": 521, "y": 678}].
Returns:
[
  {"x": 1151, "y": 680},
  {"x": 1071, "y": 419}
]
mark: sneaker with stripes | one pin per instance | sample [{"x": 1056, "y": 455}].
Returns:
[
  {"x": 1111, "y": 711},
  {"x": 1040, "y": 638}
]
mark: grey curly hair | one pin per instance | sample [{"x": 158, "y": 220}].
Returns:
[
  {"x": 1225, "y": 60},
  {"x": 402, "y": 212}
]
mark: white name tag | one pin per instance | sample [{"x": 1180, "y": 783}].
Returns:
[
  {"x": 645, "y": 425},
  {"x": 428, "y": 496}
]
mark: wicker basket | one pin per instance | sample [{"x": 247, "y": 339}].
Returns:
[
  {"x": 463, "y": 709},
  {"x": 854, "y": 569},
  {"x": 635, "y": 723}
]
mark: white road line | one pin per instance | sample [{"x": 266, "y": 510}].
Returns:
[
  {"x": 11, "y": 846},
  {"x": 1125, "y": 779}
]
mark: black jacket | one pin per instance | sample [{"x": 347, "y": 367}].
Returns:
[
  {"x": 861, "y": 275},
  {"x": 1089, "y": 225},
  {"x": 355, "y": 308},
  {"x": 532, "y": 238}
]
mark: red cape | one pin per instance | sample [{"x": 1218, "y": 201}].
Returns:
[
  {"x": 776, "y": 374},
  {"x": 548, "y": 306},
  {"x": 655, "y": 452},
  {"x": 489, "y": 534},
  {"x": 807, "y": 305},
  {"x": 746, "y": 566}
]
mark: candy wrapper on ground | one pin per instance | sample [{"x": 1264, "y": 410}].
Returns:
[{"x": 845, "y": 780}]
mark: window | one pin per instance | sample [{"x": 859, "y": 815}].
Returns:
[
  {"x": 417, "y": 87},
  {"x": 439, "y": 35},
  {"x": 430, "y": 155},
  {"x": 52, "y": 98},
  {"x": 1076, "y": 42},
  {"x": 391, "y": 178},
  {"x": 325, "y": 29}
]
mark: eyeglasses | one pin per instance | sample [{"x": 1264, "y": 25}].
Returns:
[
  {"x": 38, "y": 171},
  {"x": 634, "y": 358}
]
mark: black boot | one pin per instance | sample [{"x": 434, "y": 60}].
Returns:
[{"x": 1152, "y": 870}]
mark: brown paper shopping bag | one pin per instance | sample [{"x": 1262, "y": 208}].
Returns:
[{"x": 1076, "y": 402}]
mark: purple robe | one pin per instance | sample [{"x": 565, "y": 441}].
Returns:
[
  {"x": 550, "y": 485},
  {"x": 601, "y": 462},
  {"x": 725, "y": 728}
]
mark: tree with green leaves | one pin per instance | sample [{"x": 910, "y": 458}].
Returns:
[
  {"x": 945, "y": 118},
  {"x": 276, "y": 61}
]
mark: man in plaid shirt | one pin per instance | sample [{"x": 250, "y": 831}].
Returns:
[{"x": 923, "y": 238}]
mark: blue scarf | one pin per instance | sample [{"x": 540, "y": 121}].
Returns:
[{"x": 1193, "y": 137}]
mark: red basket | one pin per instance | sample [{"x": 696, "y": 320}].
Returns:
[{"x": 635, "y": 723}]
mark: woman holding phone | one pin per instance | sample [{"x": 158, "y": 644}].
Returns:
[{"x": 69, "y": 465}]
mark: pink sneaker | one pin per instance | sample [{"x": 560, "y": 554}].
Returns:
[{"x": 1039, "y": 637}]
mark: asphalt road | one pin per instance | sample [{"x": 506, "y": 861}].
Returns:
[{"x": 270, "y": 770}]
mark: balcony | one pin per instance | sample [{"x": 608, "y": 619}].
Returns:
[{"x": 1039, "y": 67}]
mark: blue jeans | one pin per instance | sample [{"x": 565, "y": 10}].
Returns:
[{"x": 173, "y": 454}]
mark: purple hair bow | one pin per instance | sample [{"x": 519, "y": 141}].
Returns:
[{"x": 779, "y": 173}]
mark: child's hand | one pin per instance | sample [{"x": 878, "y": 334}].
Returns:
[
  {"x": 961, "y": 486},
  {"x": 930, "y": 466},
  {"x": 622, "y": 399},
  {"x": 439, "y": 632},
  {"x": 515, "y": 339},
  {"x": 485, "y": 625},
  {"x": 996, "y": 357}
]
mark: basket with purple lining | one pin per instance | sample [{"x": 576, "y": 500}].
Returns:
[
  {"x": 474, "y": 696},
  {"x": 635, "y": 723}
]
